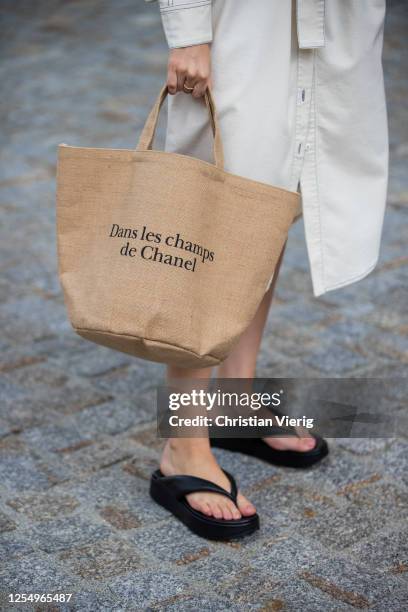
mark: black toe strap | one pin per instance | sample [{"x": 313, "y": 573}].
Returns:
[
  {"x": 183, "y": 485},
  {"x": 234, "y": 488}
]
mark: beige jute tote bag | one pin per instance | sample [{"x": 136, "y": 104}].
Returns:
[{"x": 162, "y": 255}]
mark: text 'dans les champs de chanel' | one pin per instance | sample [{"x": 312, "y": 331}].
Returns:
[{"x": 153, "y": 246}]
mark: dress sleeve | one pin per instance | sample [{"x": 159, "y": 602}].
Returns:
[{"x": 186, "y": 22}]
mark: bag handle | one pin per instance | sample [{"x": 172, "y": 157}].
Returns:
[{"x": 149, "y": 129}]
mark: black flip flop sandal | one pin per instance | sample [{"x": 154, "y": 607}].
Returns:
[
  {"x": 256, "y": 447},
  {"x": 170, "y": 492}
]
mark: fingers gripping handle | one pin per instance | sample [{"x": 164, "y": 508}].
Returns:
[{"x": 149, "y": 129}]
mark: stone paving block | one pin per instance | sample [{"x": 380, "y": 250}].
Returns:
[
  {"x": 350, "y": 330},
  {"x": 364, "y": 446},
  {"x": 355, "y": 585},
  {"x": 387, "y": 369},
  {"x": 23, "y": 472},
  {"x": 11, "y": 546},
  {"x": 305, "y": 314},
  {"x": 295, "y": 593},
  {"x": 231, "y": 580},
  {"x": 6, "y": 428},
  {"x": 52, "y": 345},
  {"x": 280, "y": 367},
  {"x": 10, "y": 392},
  {"x": 171, "y": 542},
  {"x": 113, "y": 417},
  {"x": 288, "y": 333},
  {"x": 273, "y": 523},
  {"x": 61, "y": 437},
  {"x": 5, "y": 345},
  {"x": 102, "y": 559},
  {"x": 148, "y": 437},
  {"x": 398, "y": 391},
  {"x": 141, "y": 466},
  {"x": 334, "y": 520},
  {"x": 386, "y": 552},
  {"x": 143, "y": 589},
  {"x": 6, "y": 523},
  {"x": 388, "y": 344},
  {"x": 222, "y": 567},
  {"x": 72, "y": 397},
  {"x": 279, "y": 501},
  {"x": 38, "y": 375},
  {"x": 12, "y": 445},
  {"x": 23, "y": 413},
  {"x": 84, "y": 600},
  {"x": 32, "y": 317},
  {"x": 386, "y": 317},
  {"x": 248, "y": 588},
  {"x": 291, "y": 347},
  {"x": 272, "y": 363},
  {"x": 381, "y": 285},
  {"x": 395, "y": 602},
  {"x": 339, "y": 528},
  {"x": 101, "y": 488},
  {"x": 33, "y": 278},
  {"x": 23, "y": 467},
  {"x": 93, "y": 361},
  {"x": 230, "y": 577},
  {"x": 394, "y": 463},
  {"x": 119, "y": 517},
  {"x": 63, "y": 533},
  {"x": 388, "y": 501},
  {"x": 13, "y": 358},
  {"x": 43, "y": 507},
  {"x": 100, "y": 454},
  {"x": 339, "y": 469},
  {"x": 15, "y": 170},
  {"x": 335, "y": 360},
  {"x": 47, "y": 285},
  {"x": 133, "y": 383},
  {"x": 282, "y": 556},
  {"x": 206, "y": 603},
  {"x": 34, "y": 573}
]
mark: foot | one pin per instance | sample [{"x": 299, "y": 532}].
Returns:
[
  {"x": 291, "y": 443},
  {"x": 194, "y": 457}
]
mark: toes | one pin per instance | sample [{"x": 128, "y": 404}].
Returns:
[
  {"x": 230, "y": 511},
  {"x": 292, "y": 443},
  {"x": 245, "y": 506},
  {"x": 307, "y": 443},
  {"x": 236, "y": 514},
  {"x": 221, "y": 508},
  {"x": 206, "y": 509},
  {"x": 207, "y": 506},
  {"x": 198, "y": 505},
  {"x": 226, "y": 512},
  {"x": 217, "y": 511}
]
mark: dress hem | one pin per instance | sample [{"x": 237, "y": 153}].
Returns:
[{"x": 352, "y": 279}]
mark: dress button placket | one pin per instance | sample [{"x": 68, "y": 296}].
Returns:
[{"x": 305, "y": 83}]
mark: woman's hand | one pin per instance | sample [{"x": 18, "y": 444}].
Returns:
[{"x": 189, "y": 70}]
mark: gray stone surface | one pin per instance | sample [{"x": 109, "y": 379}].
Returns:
[{"x": 77, "y": 421}]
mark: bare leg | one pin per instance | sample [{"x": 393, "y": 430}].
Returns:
[
  {"x": 241, "y": 362},
  {"x": 193, "y": 456}
]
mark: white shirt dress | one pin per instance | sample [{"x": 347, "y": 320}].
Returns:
[{"x": 300, "y": 97}]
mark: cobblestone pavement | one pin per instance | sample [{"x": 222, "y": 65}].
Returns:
[{"x": 77, "y": 436}]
